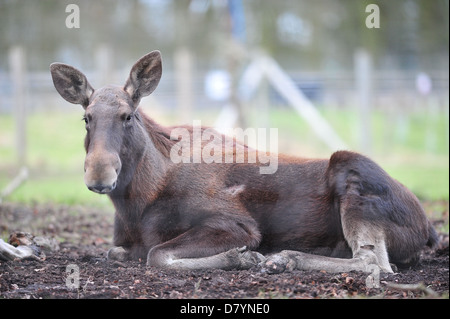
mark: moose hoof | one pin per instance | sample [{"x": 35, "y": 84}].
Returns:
[
  {"x": 117, "y": 253},
  {"x": 241, "y": 258},
  {"x": 394, "y": 267},
  {"x": 278, "y": 263},
  {"x": 249, "y": 259}
]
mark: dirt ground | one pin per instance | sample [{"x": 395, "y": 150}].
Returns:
[{"x": 85, "y": 234}]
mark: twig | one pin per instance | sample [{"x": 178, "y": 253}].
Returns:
[
  {"x": 19, "y": 179},
  {"x": 420, "y": 287}
]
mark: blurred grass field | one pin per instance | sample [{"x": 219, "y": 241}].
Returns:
[
  {"x": 55, "y": 159},
  {"x": 413, "y": 149}
]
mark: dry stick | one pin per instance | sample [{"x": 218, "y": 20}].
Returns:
[
  {"x": 19, "y": 179},
  {"x": 420, "y": 287}
]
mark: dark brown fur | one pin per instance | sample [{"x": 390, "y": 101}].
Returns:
[{"x": 200, "y": 210}]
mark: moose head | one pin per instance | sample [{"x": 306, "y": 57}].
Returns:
[{"x": 111, "y": 117}]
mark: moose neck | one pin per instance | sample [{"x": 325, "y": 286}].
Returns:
[{"x": 146, "y": 177}]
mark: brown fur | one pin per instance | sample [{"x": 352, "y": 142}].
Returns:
[{"x": 191, "y": 215}]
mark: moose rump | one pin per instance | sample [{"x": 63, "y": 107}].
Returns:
[{"x": 340, "y": 214}]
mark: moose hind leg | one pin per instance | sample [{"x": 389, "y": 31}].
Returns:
[
  {"x": 118, "y": 253},
  {"x": 366, "y": 258},
  {"x": 364, "y": 236},
  {"x": 288, "y": 260},
  {"x": 362, "y": 220}
]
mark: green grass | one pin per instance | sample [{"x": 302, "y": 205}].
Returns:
[
  {"x": 412, "y": 148},
  {"x": 63, "y": 189},
  {"x": 55, "y": 157},
  {"x": 54, "y": 141},
  {"x": 428, "y": 183}
]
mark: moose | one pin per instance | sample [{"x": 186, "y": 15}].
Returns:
[{"x": 338, "y": 214}]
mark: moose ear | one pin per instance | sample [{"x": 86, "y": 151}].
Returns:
[
  {"x": 71, "y": 84},
  {"x": 144, "y": 76}
]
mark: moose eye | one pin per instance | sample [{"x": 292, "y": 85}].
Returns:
[
  {"x": 85, "y": 119},
  {"x": 128, "y": 118}
]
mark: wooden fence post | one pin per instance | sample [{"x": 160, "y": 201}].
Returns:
[
  {"x": 184, "y": 82},
  {"x": 363, "y": 82},
  {"x": 105, "y": 65},
  {"x": 18, "y": 83}
]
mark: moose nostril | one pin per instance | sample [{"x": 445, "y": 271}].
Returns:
[
  {"x": 97, "y": 188},
  {"x": 102, "y": 189}
]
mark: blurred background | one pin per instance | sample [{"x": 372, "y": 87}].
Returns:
[{"x": 329, "y": 74}]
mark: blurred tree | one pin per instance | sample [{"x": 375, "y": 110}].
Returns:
[{"x": 298, "y": 33}]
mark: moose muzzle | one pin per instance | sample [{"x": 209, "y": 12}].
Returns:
[{"x": 101, "y": 172}]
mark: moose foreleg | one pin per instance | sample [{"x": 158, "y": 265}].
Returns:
[
  {"x": 236, "y": 258},
  {"x": 211, "y": 246}
]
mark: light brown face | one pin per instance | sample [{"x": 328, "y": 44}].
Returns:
[
  {"x": 112, "y": 121},
  {"x": 108, "y": 118}
]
